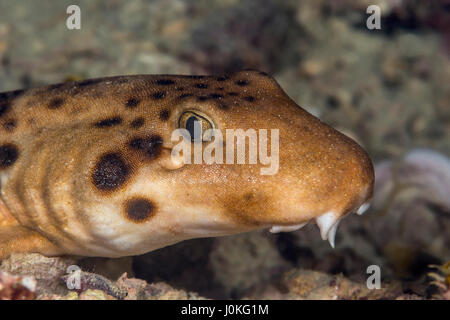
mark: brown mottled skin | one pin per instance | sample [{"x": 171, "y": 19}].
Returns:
[{"x": 85, "y": 167}]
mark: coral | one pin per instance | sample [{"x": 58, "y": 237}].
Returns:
[
  {"x": 44, "y": 278},
  {"x": 300, "y": 284},
  {"x": 16, "y": 287},
  {"x": 47, "y": 271},
  {"x": 95, "y": 282}
]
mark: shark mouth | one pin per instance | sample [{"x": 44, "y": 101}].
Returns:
[{"x": 327, "y": 223}]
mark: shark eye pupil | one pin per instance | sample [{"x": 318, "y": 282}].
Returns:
[{"x": 194, "y": 127}]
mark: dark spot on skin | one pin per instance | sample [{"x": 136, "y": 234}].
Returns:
[
  {"x": 132, "y": 102},
  {"x": 3, "y": 108},
  {"x": 137, "y": 123},
  {"x": 185, "y": 95},
  {"x": 150, "y": 146},
  {"x": 216, "y": 96},
  {"x": 164, "y": 115},
  {"x": 220, "y": 88},
  {"x": 202, "y": 98},
  {"x": 179, "y": 88},
  {"x": 8, "y": 155},
  {"x": 249, "y": 98},
  {"x": 164, "y": 82},
  {"x": 139, "y": 209},
  {"x": 89, "y": 82},
  {"x": 221, "y": 78},
  {"x": 16, "y": 93},
  {"x": 10, "y": 125},
  {"x": 242, "y": 83},
  {"x": 223, "y": 106},
  {"x": 10, "y": 95},
  {"x": 158, "y": 95},
  {"x": 56, "y": 103},
  {"x": 108, "y": 122},
  {"x": 201, "y": 86},
  {"x": 244, "y": 207},
  {"x": 137, "y": 144},
  {"x": 233, "y": 94},
  {"x": 110, "y": 172}
]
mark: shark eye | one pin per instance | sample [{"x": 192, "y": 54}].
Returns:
[{"x": 196, "y": 124}]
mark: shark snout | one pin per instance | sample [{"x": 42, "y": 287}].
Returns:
[{"x": 339, "y": 182}]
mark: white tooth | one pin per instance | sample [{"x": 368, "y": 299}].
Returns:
[
  {"x": 276, "y": 229},
  {"x": 325, "y": 222},
  {"x": 332, "y": 233},
  {"x": 363, "y": 208}
]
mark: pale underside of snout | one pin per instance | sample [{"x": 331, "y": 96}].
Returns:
[{"x": 328, "y": 223}]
